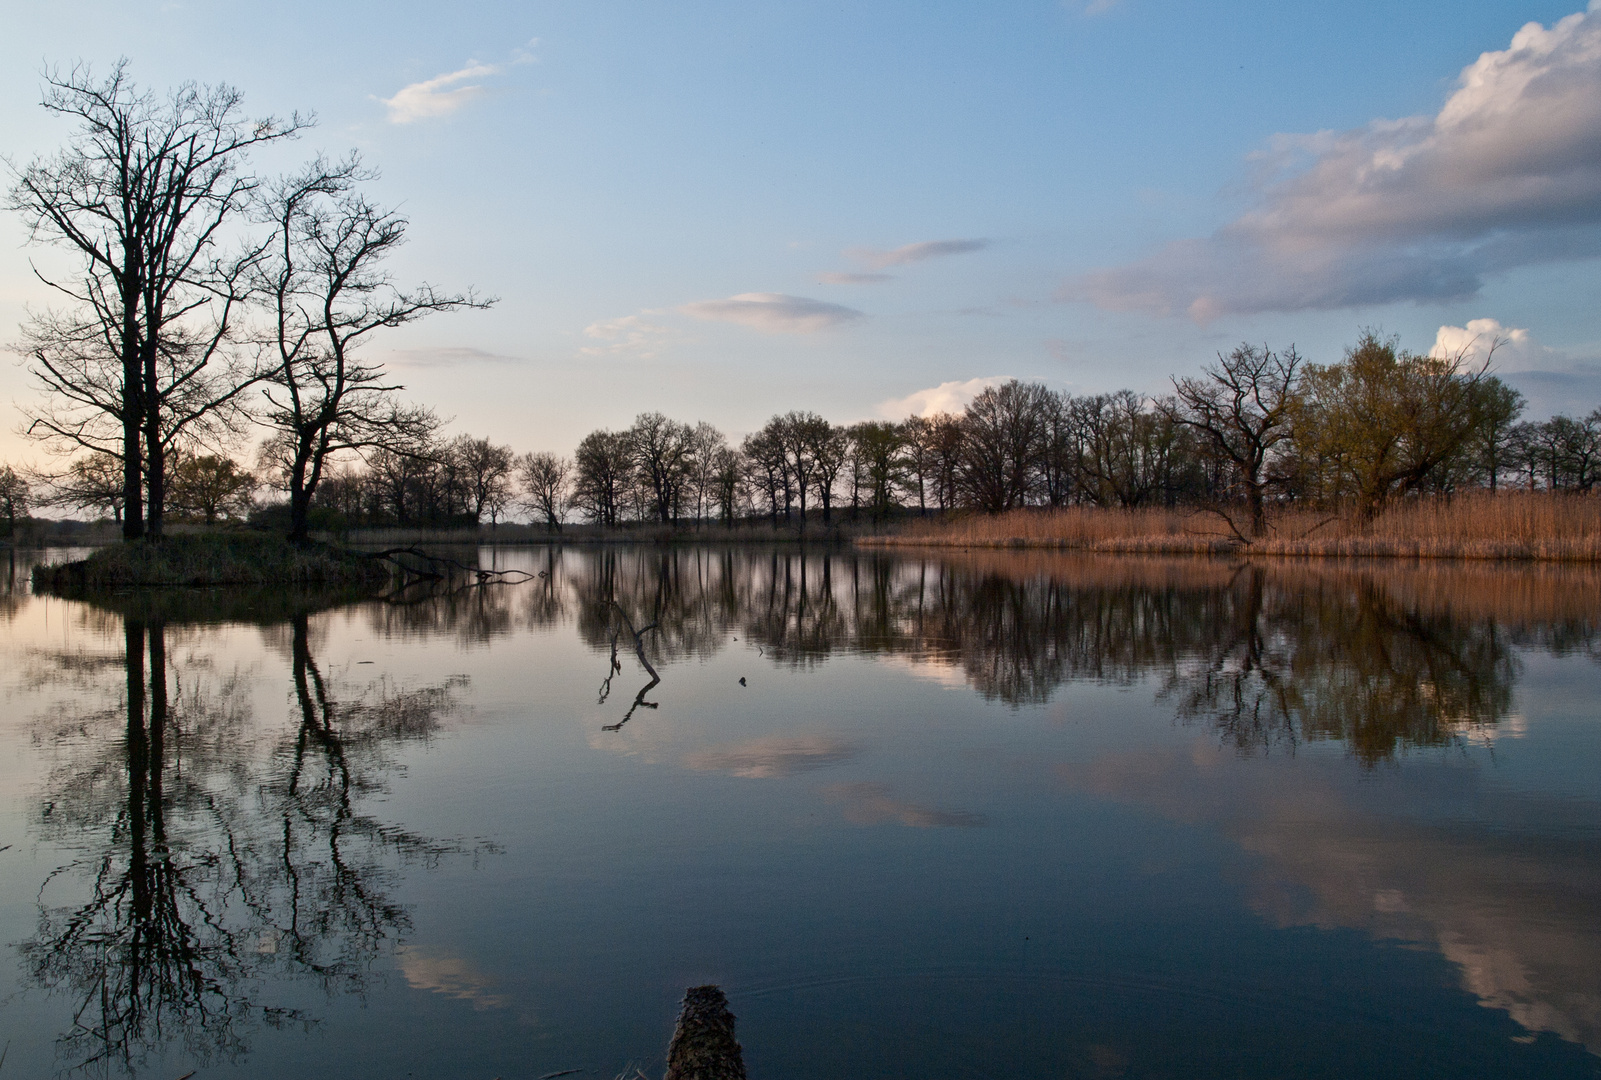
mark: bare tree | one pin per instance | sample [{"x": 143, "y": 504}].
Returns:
[
  {"x": 767, "y": 468},
  {"x": 1004, "y": 430},
  {"x": 879, "y": 456},
  {"x": 660, "y": 447},
  {"x": 829, "y": 449},
  {"x": 327, "y": 291},
  {"x": 486, "y": 473},
  {"x": 921, "y": 458},
  {"x": 546, "y": 484},
  {"x": 603, "y": 466},
  {"x": 800, "y": 433},
  {"x": 1243, "y": 408},
  {"x": 706, "y": 447},
  {"x": 90, "y": 482},
  {"x": 141, "y": 195}
]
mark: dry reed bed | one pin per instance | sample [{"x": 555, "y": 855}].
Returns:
[{"x": 1481, "y": 525}]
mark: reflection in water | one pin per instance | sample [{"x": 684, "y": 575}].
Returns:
[
  {"x": 217, "y": 858},
  {"x": 205, "y": 867},
  {"x": 1512, "y": 905},
  {"x": 1267, "y": 656}
]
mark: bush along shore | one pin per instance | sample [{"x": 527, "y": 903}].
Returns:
[
  {"x": 214, "y": 559},
  {"x": 1480, "y": 525}
]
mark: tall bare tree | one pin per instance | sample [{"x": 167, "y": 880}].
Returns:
[
  {"x": 142, "y": 195},
  {"x": 602, "y": 475},
  {"x": 1243, "y": 407},
  {"x": 327, "y": 291},
  {"x": 547, "y": 489},
  {"x": 1004, "y": 428},
  {"x": 485, "y": 470},
  {"x": 661, "y": 447}
]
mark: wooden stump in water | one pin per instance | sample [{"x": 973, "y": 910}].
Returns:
[{"x": 703, "y": 1046}]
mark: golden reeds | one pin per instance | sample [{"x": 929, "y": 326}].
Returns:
[{"x": 1477, "y": 525}]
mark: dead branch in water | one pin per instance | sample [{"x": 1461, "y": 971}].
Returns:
[
  {"x": 617, "y": 667},
  {"x": 438, "y": 568}
]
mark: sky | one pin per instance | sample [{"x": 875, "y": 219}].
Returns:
[{"x": 723, "y": 210}]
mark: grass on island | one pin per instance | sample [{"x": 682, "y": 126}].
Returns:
[
  {"x": 213, "y": 559},
  {"x": 1475, "y": 525}
]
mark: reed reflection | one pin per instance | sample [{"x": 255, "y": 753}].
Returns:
[{"x": 214, "y": 857}]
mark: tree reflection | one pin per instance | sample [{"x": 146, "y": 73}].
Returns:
[
  {"x": 1268, "y": 656},
  {"x": 207, "y": 864}
]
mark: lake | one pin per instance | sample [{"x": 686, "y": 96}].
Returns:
[{"x": 1004, "y": 814}]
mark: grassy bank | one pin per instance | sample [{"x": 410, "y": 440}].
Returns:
[
  {"x": 213, "y": 559},
  {"x": 1479, "y": 525}
]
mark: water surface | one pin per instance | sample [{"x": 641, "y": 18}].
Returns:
[{"x": 1015, "y": 815}]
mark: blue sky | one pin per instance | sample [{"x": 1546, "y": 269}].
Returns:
[{"x": 726, "y": 210}]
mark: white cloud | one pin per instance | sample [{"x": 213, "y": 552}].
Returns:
[
  {"x": 1514, "y": 348},
  {"x": 947, "y": 397},
  {"x": 840, "y": 277},
  {"x": 1506, "y": 174},
  {"x": 439, "y": 96},
  {"x": 914, "y": 253},
  {"x": 774, "y": 313},
  {"x": 629, "y": 334},
  {"x": 1550, "y": 380}
]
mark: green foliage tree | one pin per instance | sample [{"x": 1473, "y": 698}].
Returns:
[
  {"x": 210, "y": 486},
  {"x": 1384, "y": 422}
]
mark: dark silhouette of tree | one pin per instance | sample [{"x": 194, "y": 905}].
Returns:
[
  {"x": 1003, "y": 438},
  {"x": 328, "y": 291},
  {"x": 603, "y": 476},
  {"x": 90, "y": 482},
  {"x": 546, "y": 485},
  {"x": 15, "y": 493},
  {"x": 142, "y": 194}
]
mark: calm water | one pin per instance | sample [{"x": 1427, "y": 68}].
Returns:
[{"x": 1002, "y": 816}]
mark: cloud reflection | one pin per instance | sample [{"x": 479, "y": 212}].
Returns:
[
  {"x": 775, "y": 755},
  {"x": 868, "y": 803},
  {"x": 1515, "y": 911},
  {"x": 452, "y": 976}
]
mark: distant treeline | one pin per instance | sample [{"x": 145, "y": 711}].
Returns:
[{"x": 1256, "y": 429}]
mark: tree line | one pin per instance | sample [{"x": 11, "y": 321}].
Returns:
[{"x": 206, "y": 303}]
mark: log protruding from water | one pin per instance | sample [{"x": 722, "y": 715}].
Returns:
[{"x": 703, "y": 1046}]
